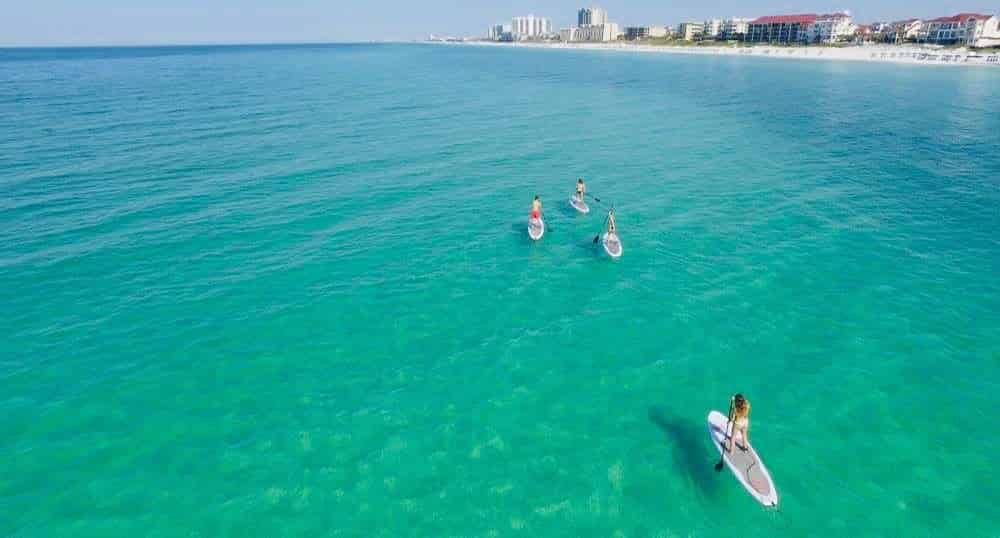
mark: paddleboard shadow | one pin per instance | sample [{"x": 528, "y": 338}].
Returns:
[
  {"x": 568, "y": 211},
  {"x": 685, "y": 438}
]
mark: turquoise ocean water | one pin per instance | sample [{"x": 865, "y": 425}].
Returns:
[{"x": 287, "y": 291}]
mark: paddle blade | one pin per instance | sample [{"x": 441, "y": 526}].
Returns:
[
  {"x": 596, "y": 237},
  {"x": 718, "y": 466}
]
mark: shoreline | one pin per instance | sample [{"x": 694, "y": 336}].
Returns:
[{"x": 899, "y": 54}]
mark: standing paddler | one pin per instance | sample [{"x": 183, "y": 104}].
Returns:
[{"x": 739, "y": 418}]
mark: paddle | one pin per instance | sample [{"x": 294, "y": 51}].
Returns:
[
  {"x": 729, "y": 426},
  {"x": 598, "y": 236},
  {"x": 596, "y": 199},
  {"x": 606, "y": 217}
]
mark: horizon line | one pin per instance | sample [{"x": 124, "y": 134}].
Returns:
[{"x": 208, "y": 44}]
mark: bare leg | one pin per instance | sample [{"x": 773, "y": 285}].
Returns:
[{"x": 743, "y": 437}]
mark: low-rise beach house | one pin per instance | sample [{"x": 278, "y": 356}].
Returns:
[
  {"x": 633, "y": 33},
  {"x": 734, "y": 28},
  {"x": 689, "y": 31},
  {"x": 904, "y": 31},
  {"x": 711, "y": 29}
]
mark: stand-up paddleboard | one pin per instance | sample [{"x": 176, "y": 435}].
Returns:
[
  {"x": 536, "y": 228},
  {"x": 745, "y": 464},
  {"x": 578, "y": 204},
  {"x": 612, "y": 245}
]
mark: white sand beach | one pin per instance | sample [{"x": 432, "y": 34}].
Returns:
[{"x": 909, "y": 54}]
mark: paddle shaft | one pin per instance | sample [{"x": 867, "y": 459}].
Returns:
[
  {"x": 598, "y": 236},
  {"x": 729, "y": 433}
]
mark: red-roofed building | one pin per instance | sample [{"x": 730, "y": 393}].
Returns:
[
  {"x": 831, "y": 28},
  {"x": 808, "y": 18},
  {"x": 970, "y": 29},
  {"x": 961, "y": 17},
  {"x": 780, "y": 28},
  {"x": 864, "y": 34}
]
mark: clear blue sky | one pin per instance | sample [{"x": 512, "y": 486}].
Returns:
[{"x": 80, "y": 22}]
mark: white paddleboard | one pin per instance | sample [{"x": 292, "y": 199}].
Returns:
[
  {"x": 536, "y": 228},
  {"x": 613, "y": 246},
  {"x": 578, "y": 204},
  {"x": 745, "y": 464}
]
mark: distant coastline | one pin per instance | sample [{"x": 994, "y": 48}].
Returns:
[{"x": 902, "y": 54}]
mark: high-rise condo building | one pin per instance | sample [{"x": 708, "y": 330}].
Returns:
[
  {"x": 591, "y": 16},
  {"x": 530, "y": 26}
]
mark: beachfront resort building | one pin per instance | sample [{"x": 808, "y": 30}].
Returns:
[
  {"x": 872, "y": 33},
  {"x": 591, "y": 16},
  {"x": 689, "y": 31},
  {"x": 831, "y": 28},
  {"x": 568, "y": 34},
  {"x": 903, "y": 31},
  {"x": 711, "y": 29},
  {"x": 638, "y": 33},
  {"x": 734, "y": 28},
  {"x": 969, "y": 29},
  {"x": 986, "y": 34},
  {"x": 863, "y": 33},
  {"x": 597, "y": 32},
  {"x": 782, "y": 29},
  {"x": 879, "y": 27},
  {"x": 592, "y": 25},
  {"x": 530, "y": 27},
  {"x": 520, "y": 29},
  {"x": 499, "y": 32},
  {"x": 804, "y": 28}
]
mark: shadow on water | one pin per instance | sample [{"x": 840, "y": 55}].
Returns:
[
  {"x": 583, "y": 237},
  {"x": 568, "y": 211},
  {"x": 521, "y": 230},
  {"x": 690, "y": 450}
]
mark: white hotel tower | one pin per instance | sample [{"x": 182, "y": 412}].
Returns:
[{"x": 530, "y": 26}]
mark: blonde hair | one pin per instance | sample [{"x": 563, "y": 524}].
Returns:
[{"x": 741, "y": 406}]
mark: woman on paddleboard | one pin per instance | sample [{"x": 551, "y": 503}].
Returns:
[
  {"x": 581, "y": 189},
  {"x": 536, "y": 208},
  {"x": 612, "y": 230},
  {"x": 739, "y": 417}
]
